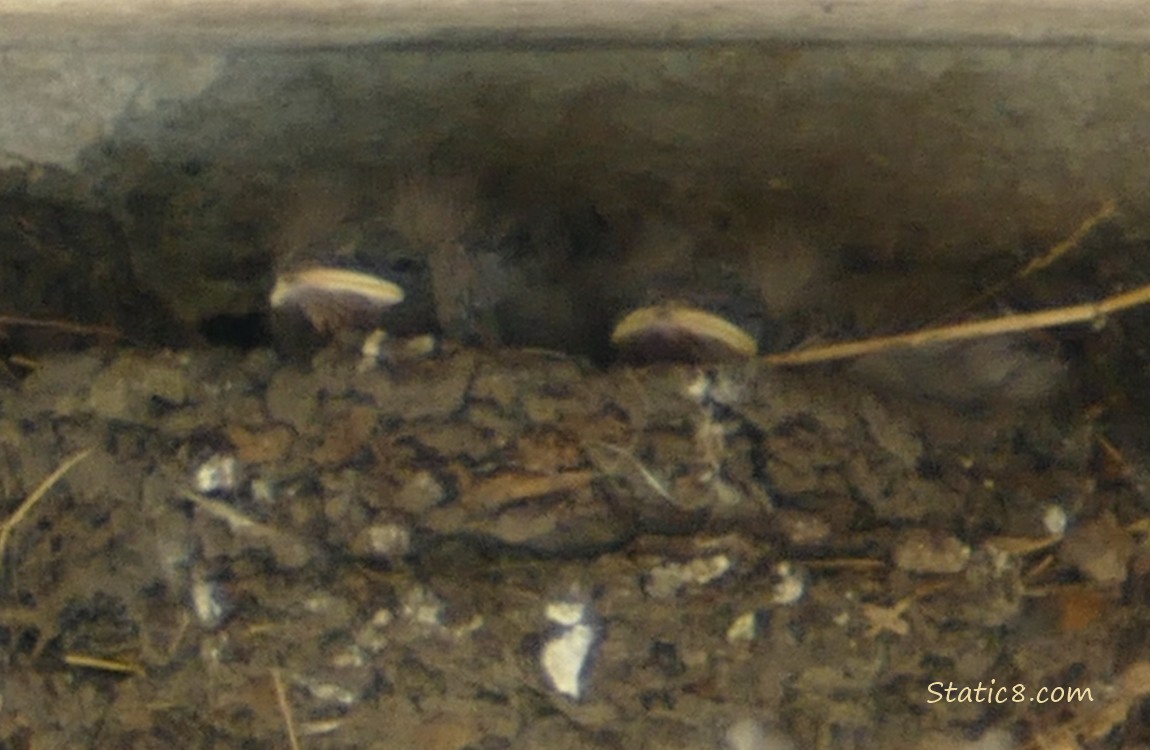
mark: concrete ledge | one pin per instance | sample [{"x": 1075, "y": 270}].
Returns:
[{"x": 295, "y": 23}]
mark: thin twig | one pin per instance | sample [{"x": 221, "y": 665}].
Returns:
[
  {"x": 59, "y": 325},
  {"x": 646, "y": 473},
  {"x": 30, "y": 502},
  {"x": 101, "y": 664},
  {"x": 1107, "y": 211},
  {"x": 1089, "y": 312},
  {"x": 285, "y": 709}
]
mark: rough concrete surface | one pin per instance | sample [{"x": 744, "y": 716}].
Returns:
[{"x": 787, "y": 160}]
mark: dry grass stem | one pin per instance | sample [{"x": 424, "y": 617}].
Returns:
[
  {"x": 30, "y": 502},
  {"x": 651, "y": 480},
  {"x": 847, "y": 563},
  {"x": 236, "y": 521},
  {"x": 103, "y": 665},
  {"x": 59, "y": 325},
  {"x": 508, "y": 488},
  {"x": 285, "y": 710},
  {"x": 1108, "y": 210},
  {"x": 1089, "y": 312}
]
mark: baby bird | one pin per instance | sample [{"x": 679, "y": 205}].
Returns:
[
  {"x": 462, "y": 257},
  {"x": 341, "y": 268}
]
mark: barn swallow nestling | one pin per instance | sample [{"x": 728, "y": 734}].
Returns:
[
  {"x": 680, "y": 333},
  {"x": 340, "y": 268},
  {"x": 676, "y": 298},
  {"x": 470, "y": 262},
  {"x": 331, "y": 297},
  {"x": 502, "y": 273}
]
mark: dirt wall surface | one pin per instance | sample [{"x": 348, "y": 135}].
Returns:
[
  {"x": 817, "y": 176},
  {"x": 465, "y": 520},
  {"x": 792, "y": 551}
]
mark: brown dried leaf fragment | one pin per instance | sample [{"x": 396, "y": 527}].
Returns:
[{"x": 504, "y": 489}]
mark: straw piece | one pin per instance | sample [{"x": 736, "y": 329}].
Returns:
[
  {"x": 1090, "y": 312},
  {"x": 26, "y": 507}
]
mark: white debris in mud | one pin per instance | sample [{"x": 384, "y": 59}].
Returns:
[
  {"x": 1054, "y": 520},
  {"x": 423, "y": 606},
  {"x": 564, "y": 655},
  {"x": 744, "y": 628},
  {"x": 319, "y": 727},
  {"x": 372, "y": 637},
  {"x": 378, "y": 348},
  {"x": 321, "y": 604},
  {"x": 206, "y": 602},
  {"x": 218, "y": 475},
  {"x": 565, "y": 613},
  {"x": 923, "y": 551},
  {"x": 800, "y": 528},
  {"x": 711, "y": 387},
  {"x": 669, "y": 578},
  {"x": 416, "y": 347},
  {"x": 371, "y": 349},
  {"x": 350, "y": 657},
  {"x": 699, "y": 387},
  {"x": 748, "y": 734},
  {"x": 790, "y": 584},
  {"x": 389, "y": 540},
  {"x": 329, "y": 692},
  {"x": 263, "y": 490},
  {"x": 419, "y": 493}
]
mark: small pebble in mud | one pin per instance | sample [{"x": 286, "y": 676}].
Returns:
[
  {"x": 423, "y": 607},
  {"x": 387, "y": 541},
  {"x": 1054, "y": 520},
  {"x": 377, "y": 348},
  {"x": 564, "y": 655},
  {"x": 680, "y": 333},
  {"x": 801, "y": 528},
  {"x": 371, "y": 349},
  {"x": 207, "y": 602},
  {"x": 220, "y": 474},
  {"x": 667, "y": 579},
  {"x": 922, "y": 551},
  {"x": 744, "y": 628},
  {"x": 789, "y": 584}
]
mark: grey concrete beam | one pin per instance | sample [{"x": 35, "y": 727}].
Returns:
[{"x": 298, "y": 23}]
